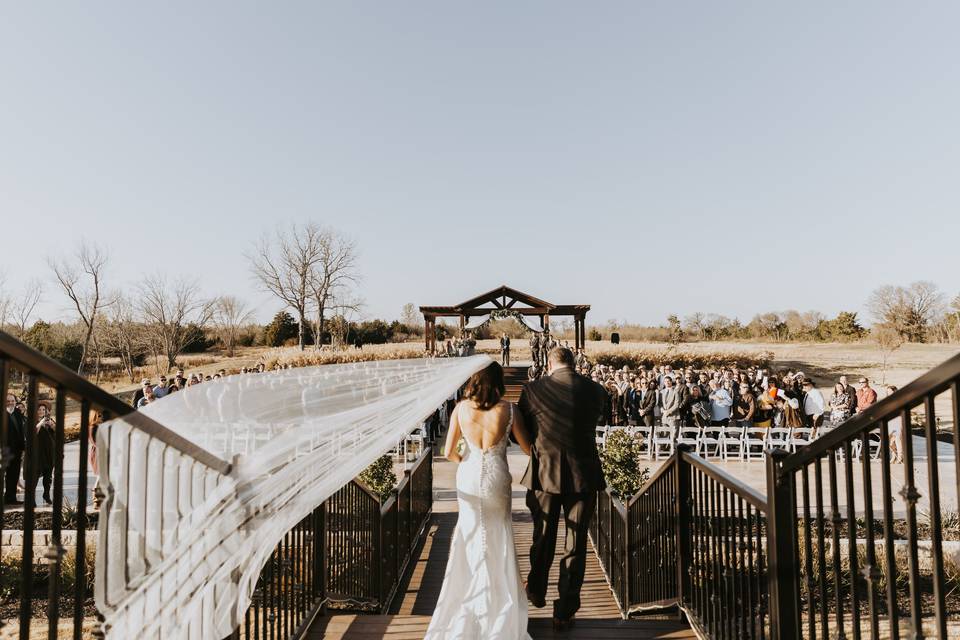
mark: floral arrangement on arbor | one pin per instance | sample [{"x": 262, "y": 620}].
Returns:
[
  {"x": 503, "y": 314},
  {"x": 622, "y": 468}
]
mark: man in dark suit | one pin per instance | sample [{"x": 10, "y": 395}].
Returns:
[
  {"x": 564, "y": 472},
  {"x": 505, "y": 350},
  {"x": 15, "y": 444}
]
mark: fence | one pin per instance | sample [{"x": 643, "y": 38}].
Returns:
[
  {"x": 48, "y": 579},
  {"x": 352, "y": 552},
  {"x": 832, "y": 551},
  {"x": 866, "y": 559},
  {"x": 692, "y": 537}
]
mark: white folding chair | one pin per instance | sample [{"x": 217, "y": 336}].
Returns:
[
  {"x": 778, "y": 438},
  {"x": 645, "y": 434},
  {"x": 601, "y": 437},
  {"x": 732, "y": 443},
  {"x": 800, "y": 437},
  {"x": 414, "y": 441},
  {"x": 690, "y": 436},
  {"x": 754, "y": 443},
  {"x": 710, "y": 438},
  {"x": 662, "y": 441},
  {"x": 874, "y": 439}
]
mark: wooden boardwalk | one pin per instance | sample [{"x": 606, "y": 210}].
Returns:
[{"x": 598, "y": 619}]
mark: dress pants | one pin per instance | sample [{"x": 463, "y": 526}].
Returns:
[
  {"x": 12, "y": 477},
  {"x": 577, "y": 511}
]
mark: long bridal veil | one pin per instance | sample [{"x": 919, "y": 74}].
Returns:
[{"x": 182, "y": 545}]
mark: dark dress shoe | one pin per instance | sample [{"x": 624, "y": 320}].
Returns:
[
  {"x": 563, "y": 624},
  {"x": 538, "y": 602},
  {"x": 46, "y": 499}
]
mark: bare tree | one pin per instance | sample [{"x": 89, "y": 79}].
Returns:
[
  {"x": 696, "y": 323},
  {"x": 23, "y": 306},
  {"x": 410, "y": 316},
  {"x": 888, "y": 340},
  {"x": 229, "y": 316},
  {"x": 910, "y": 310},
  {"x": 335, "y": 276},
  {"x": 85, "y": 296},
  {"x": 122, "y": 336},
  {"x": 6, "y": 302},
  {"x": 169, "y": 310},
  {"x": 286, "y": 266}
]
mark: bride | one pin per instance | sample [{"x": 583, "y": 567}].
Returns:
[{"x": 482, "y": 596}]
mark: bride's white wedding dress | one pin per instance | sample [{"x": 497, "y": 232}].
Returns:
[{"x": 482, "y": 597}]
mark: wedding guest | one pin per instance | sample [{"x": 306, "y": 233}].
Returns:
[
  {"x": 895, "y": 433},
  {"x": 43, "y": 453},
  {"x": 649, "y": 402},
  {"x": 851, "y": 395},
  {"x": 699, "y": 408},
  {"x": 720, "y": 404},
  {"x": 161, "y": 390},
  {"x": 95, "y": 420},
  {"x": 866, "y": 396},
  {"x": 669, "y": 403},
  {"x": 813, "y": 405},
  {"x": 631, "y": 403},
  {"x": 839, "y": 405},
  {"x": 140, "y": 392},
  {"x": 745, "y": 407},
  {"x": 147, "y": 398},
  {"x": 16, "y": 444}
]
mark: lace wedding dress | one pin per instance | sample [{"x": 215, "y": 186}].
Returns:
[{"x": 482, "y": 597}]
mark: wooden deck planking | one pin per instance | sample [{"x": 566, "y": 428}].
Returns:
[
  {"x": 598, "y": 618},
  {"x": 413, "y": 627}
]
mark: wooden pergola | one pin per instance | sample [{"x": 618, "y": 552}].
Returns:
[{"x": 504, "y": 298}]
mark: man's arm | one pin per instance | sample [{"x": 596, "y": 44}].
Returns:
[{"x": 523, "y": 406}]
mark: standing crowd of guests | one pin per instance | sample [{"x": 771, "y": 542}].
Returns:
[{"x": 730, "y": 395}]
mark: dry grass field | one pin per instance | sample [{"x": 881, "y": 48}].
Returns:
[{"x": 823, "y": 361}]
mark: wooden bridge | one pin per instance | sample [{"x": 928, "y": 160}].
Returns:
[{"x": 599, "y": 618}]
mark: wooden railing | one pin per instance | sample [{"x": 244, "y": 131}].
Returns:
[
  {"x": 43, "y": 585},
  {"x": 691, "y": 538},
  {"x": 351, "y": 553},
  {"x": 856, "y": 557},
  {"x": 370, "y": 544},
  {"x": 831, "y": 551}
]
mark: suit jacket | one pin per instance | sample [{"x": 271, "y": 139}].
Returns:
[
  {"x": 671, "y": 402},
  {"x": 648, "y": 402},
  {"x": 16, "y": 433},
  {"x": 504, "y": 343},
  {"x": 561, "y": 414}
]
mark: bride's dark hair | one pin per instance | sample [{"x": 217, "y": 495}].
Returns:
[{"x": 485, "y": 387}]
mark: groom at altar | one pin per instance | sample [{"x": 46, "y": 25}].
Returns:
[{"x": 564, "y": 472}]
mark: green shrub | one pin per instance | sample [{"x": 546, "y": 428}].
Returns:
[
  {"x": 52, "y": 342},
  {"x": 68, "y": 570},
  {"x": 280, "y": 330},
  {"x": 379, "y": 477},
  {"x": 10, "y": 575},
  {"x": 621, "y": 464},
  {"x": 595, "y": 335}
]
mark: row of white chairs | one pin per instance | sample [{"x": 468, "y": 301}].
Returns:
[{"x": 726, "y": 443}]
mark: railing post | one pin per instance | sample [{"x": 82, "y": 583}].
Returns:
[
  {"x": 783, "y": 567},
  {"x": 684, "y": 507}
]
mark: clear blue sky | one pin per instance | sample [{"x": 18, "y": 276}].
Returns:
[{"x": 645, "y": 157}]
